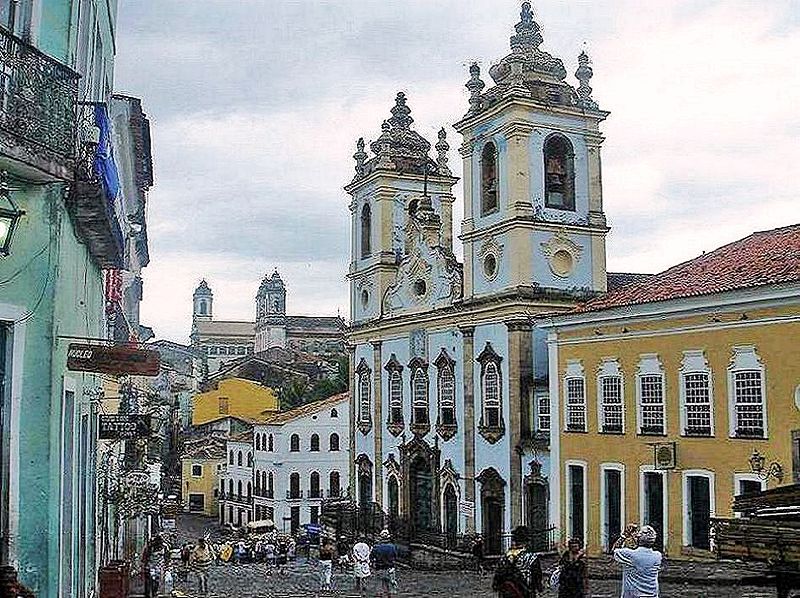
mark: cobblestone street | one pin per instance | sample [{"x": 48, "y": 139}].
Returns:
[{"x": 301, "y": 580}]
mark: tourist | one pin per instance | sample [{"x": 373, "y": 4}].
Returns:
[
  {"x": 155, "y": 558},
  {"x": 477, "y": 554},
  {"x": 628, "y": 538},
  {"x": 269, "y": 555},
  {"x": 519, "y": 573},
  {"x": 573, "y": 578},
  {"x": 326, "y": 556},
  {"x": 383, "y": 557},
  {"x": 640, "y": 565},
  {"x": 361, "y": 571},
  {"x": 200, "y": 560},
  {"x": 343, "y": 552}
]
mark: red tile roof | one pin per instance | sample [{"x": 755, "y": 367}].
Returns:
[
  {"x": 763, "y": 258},
  {"x": 307, "y": 409}
]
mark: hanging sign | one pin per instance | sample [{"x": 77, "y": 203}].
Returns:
[
  {"x": 119, "y": 426},
  {"x": 467, "y": 508},
  {"x": 117, "y": 360}
]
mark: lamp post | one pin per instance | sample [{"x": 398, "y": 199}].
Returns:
[
  {"x": 758, "y": 466},
  {"x": 10, "y": 215}
]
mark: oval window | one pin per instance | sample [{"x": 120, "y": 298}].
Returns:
[
  {"x": 562, "y": 262},
  {"x": 364, "y": 298},
  {"x": 420, "y": 288},
  {"x": 490, "y": 266}
]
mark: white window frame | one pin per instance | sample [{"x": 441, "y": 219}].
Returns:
[
  {"x": 650, "y": 366},
  {"x": 420, "y": 382},
  {"x": 568, "y": 492},
  {"x": 200, "y": 465},
  {"x": 745, "y": 477},
  {"x": 606, "y": 542},
  {"x": 396, "y": 395},
  {"x": 694, "y": 362},
  {"x": 364, "y": 398},
  {"x": 745, "y": 358},
  {"x": 543, "y": 411},
  {"x": 495, "y": 402},
  {"x": 712, "y": 502},
  {"x": 609, "y": 368},
  {"x": 643, "y": 469},
  {"x": 445, "y": 375},
  {"x": 574, "y": 371}
]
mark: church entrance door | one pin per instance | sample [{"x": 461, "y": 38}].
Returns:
[{"x": 421, "y": 494}]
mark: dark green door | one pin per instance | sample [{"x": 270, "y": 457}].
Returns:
[
  {"x": 700, "y": 511},
  {"x": 613, "y": 500},
  {"x": 654, "y": 505}
]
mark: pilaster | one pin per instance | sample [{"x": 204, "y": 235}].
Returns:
[
  {"x": 351, "y": 354},
  {"x": 468, "y": 359},
  {"x": 377, "y": 373},
  {"x": 520, "y": 374}
]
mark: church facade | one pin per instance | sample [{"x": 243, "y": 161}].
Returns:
[
  {"x": 450, "y": 411},
  {"x": 223, "y": 341}
]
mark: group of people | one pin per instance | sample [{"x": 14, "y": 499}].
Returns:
[
  {"x": 379, "y": 560},
  {"x": 157, "y": 561},
  {"x": 519, "y": 574}
]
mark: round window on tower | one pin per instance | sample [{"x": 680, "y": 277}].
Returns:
[
  {"x": 420, "y": 288},
  {"x": 364, "y": 298},
  {"x": 490, "y": 266},
  {"x": 562, "y": 263}
]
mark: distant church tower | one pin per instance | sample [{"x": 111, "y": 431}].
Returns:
[
  {"x": 533, "y": 205},
  {"x": 203, "y": 302},
  {"x": 270, "y": 313}
]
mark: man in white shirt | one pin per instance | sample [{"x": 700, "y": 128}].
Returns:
[{"x": 640, "y": 566}]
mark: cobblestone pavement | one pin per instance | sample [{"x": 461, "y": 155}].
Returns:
[{"x": 301, "y": 579}]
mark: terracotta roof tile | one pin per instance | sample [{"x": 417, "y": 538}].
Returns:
[
  {"x": 763, "y": 258},
  {"x": 307, "y": 409}
]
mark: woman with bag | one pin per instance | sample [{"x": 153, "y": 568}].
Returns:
[{"x": 572, "y": 574}]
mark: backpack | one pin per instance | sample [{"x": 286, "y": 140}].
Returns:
[{"x": 508, "y": 580}]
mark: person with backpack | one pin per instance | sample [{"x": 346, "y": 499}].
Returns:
[
  {"x": 519, "y": 573},
  {"x": 383, "y": 557}
]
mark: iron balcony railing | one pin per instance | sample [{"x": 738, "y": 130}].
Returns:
[{"x": 38, "y": 96}]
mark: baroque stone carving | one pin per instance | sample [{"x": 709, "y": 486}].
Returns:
[{"x": 562, "y": 254}]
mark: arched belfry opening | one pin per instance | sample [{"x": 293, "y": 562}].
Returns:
[
  {"x": 559, "y": 173},
  {"x": 489, "y": 179}
]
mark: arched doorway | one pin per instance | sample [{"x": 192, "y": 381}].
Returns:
[
  {"x": 364, "y": 467},
  {"x": 450, "y": 501},
  {"x": 493, "y": 506},
  {"x": 394, "y": 497},
  {"x": 421, "y": 494},
  {"x": 537, "y": 506}
]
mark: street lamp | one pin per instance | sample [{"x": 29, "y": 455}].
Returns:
[
  {"x": 10, "y": 215},
  {"x": 759, "y": 467}
]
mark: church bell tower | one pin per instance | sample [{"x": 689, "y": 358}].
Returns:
[
  {"x": 270, "y": 325},
  {"x": 533, "y": 205}
]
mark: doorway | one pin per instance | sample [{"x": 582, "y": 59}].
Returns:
[
  {"x": 653, "y": 512},
  {"x": 493, "y": 502},
  {"x": 612, "y": 509},
  {"x": 364, "y": 489},
  {"x": 577, "y": 506},
  {"x": 536, "y": 513},
  {"x": 698, "y": 515},
  {"x": 450, "y": 512},
  {"x": 421, "y": 481}
]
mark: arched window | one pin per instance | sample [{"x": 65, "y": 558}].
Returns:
[
  {"x": 257, "y": 488},
  {"x": 249, "y": 490},
  {"x": 364, "y": 412},
  {"x": 203, "y": 308},
  {"x": 294, "y": 443},
  {"x": 334, "y": 487},
  {"x": 333, "y": 444},
  {"x": 314, "y": 485},
  {"x": 488, "y": 179},
  {"x": 366, "y": 231},
  {"x": 447, "y": 394},
  {"x": 491, "y": 395},
  {"x": 230, "y": 488},
  {"x": 239, "y": 489},
  {"x": 222, "y": 488},
  {"x": 270, "y": 446},
  {"x": 394, "y": 497},
  {"x": 249, "y": 459},
  {"x": 294, "y": 485},
  {"x": 239, "y": 458},
  {"x": 559, "y": 173},
  {"x": 270, "y": 486},
  {"x": 334, "y": 413},
  {"x": 314, "y": 443},
  {"x": 491, "y": 425},
  {"x": 419, "y": 396},
  {"x": 396, "y": 397},
  {"x": 258, "y": 442},
  {"x": 230, "y": 458}
]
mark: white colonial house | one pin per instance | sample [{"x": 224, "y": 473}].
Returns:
[
  {"x": 236, "y": 481},
  {"x": 301, "y": 457}
]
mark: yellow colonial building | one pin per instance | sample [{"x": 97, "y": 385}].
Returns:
[
  {"x": 234, "y": 397},
  {"x": 201, "y": 465},
  {"x": 662, "y": 393}
]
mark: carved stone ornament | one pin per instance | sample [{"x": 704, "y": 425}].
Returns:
[
  {"x": 562, "y": 254},
  {"x": 491, "y": 249},
  {"x": 417, "y": 364},
  {"x": 364, "y": 377},
  {"x": 558, "y": 216},
  {"x": 394, "y": 425},
  {"x": 491, "y": 432},
  {"x": 449, "y": 475},
  {"x": 442, "y": 362}
]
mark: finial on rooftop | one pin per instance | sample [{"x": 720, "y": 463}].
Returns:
[
  {"x": 360, "y": 157},
  {"x": 584, "y": 75},
  {"x": 401, "y": 114},
  {"x": 442, "y": 147},
  {"x": 528, "y": 35},
  {"x": 384, "y": 143},
  {"x": 475, "y": 85}
]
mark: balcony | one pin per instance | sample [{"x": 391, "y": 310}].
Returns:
[
  {"x": 38, "y": 96},
  {"x": 294, "y": 495}
]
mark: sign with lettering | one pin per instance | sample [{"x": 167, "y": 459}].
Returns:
[
  {"x": 467, "y": 508},
  {"x": 116, "y": 427},
  {"x": 118, "y": 360}
]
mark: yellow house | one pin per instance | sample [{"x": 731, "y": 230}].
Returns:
[
  {"x": 233, "y": 397},
  {"x": 671, "y": 395},
  {"x": 200, "y": 468}
]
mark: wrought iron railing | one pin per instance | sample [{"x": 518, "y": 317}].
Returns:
[{"x": 38, "y": 96}]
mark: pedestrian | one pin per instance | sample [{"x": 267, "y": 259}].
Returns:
[
  {"x": 383, "y": 557},
  {"x": 519, "y": 573},
  {"x": 326, "y": 556},
  {"x": 573, "y": 579},
  {"x": 269, "y": 555},
  {"x": 343, "y": 553},
  {"x": 477, "y": 554},
  {"x": 361, "y": 571},
  {"x": 155, "y": 558},
  {"x": 640, "y": 565},
  {"x": 200, "y": 560}
]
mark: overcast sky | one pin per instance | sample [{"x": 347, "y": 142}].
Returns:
[{"x": 255, "y": 107}]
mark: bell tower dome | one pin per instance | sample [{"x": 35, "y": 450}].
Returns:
[
  {"x": 533, "y": 205},
  {"x": 203, "y": 300},
  {"x": 270, "y": 313}
]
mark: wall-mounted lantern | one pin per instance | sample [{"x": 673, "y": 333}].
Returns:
[
  {"x": 10, "y": 215},
  {"x": 759, "y": 467}
]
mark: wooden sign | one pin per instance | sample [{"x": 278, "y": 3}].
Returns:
[
  {"x": 117, "y": 360},
  {"x": 119, "y": 426}
]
